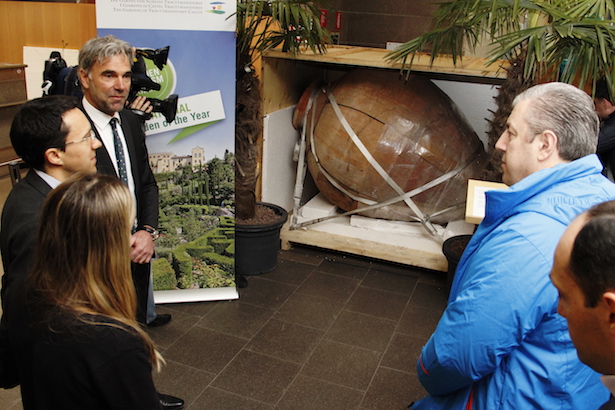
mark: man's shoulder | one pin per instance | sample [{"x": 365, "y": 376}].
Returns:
[
  {"x": 21, "y": 212},
  {"x": 129, "y": 116},
  {"x": 131, "y": 124},
  {"x": 529, "y": 223},
  {"x": 29, "y": 192}
]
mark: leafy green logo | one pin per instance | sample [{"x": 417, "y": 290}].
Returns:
[{"x": 164, "y": 77}]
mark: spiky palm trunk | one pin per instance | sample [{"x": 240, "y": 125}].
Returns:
[
  {"x": 248, "y": 132},
  {"x": 514, "y": 84}
]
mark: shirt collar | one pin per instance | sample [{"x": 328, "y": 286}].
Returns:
[
  {"x": 51, "y": 181},
  {"x": 97, "y": 116}
]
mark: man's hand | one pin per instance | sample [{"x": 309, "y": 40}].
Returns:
[
  {"x": 142, "y": 247},
  {"x": 142, "y": 104}
]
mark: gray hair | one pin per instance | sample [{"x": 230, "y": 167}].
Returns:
[
  {"x": 567, "y": 111},
  {"x": 100, "y": 49}
]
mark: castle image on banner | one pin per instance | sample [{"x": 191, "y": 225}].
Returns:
[{"x": 169, "y": 162}]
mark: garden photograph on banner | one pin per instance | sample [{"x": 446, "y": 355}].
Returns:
[{"x": 185, "y": 66}]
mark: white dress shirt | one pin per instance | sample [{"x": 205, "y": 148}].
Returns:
[{"x": 101, "y": 122}]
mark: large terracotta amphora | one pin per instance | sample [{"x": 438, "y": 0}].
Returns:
[{"x": 373, "y": 137}]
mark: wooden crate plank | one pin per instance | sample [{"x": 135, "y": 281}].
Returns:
[
  {"x": 375, "y": 57},
  {"x": 400, "y": 254}
]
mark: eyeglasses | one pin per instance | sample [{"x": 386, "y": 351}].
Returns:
[{"x": 89, "y": 137}]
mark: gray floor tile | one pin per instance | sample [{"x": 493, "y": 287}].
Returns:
[
  {"x": 325, "y": 285},
  {"x": 403, "y": 353},
  {"x": 182, "y": 381},
  {"x": 289, "y": 271},
  {"x": 309, "y": 310},
  {"x": 342, "y": 364},
  {"x": 310, "y": 394},
  {"x": 357, "y": 329},
  {"x": 390, "y": 281},
  {"x": 205, "y": 349},
  {"x": 390, "y": 390},
  {"x": 216, "y": 399},
  {"x": 266, "y": 293},
  {"x": 378, "y": 303},
  {"x": 305, "y": 254},
  {"x": 419, "y": 321},
  {"x": 236, "y": 318},
  {"x": 286, "y": 341},
  {"x": 346, "y": 268},
  {"x": 429, "y": 296},
  {"x": 257, "y": 376}
]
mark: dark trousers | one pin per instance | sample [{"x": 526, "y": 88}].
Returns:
[{"x": 140, "y": 277}]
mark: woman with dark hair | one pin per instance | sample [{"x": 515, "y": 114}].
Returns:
[{"x": 70, "y": 324}]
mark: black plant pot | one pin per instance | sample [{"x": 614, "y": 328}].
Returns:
[
  {"x": 453, "y": 248},
  {"x": 257, "y": 246}
]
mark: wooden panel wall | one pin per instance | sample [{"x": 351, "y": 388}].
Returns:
[
  {"x": 370, "y": 23},
  {"x": 39, "y": 24}
]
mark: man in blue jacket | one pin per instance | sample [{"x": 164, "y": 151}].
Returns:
[{"x": 500, "y": 343}]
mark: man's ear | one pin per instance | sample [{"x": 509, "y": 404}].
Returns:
[
  {"x": 548, "y": 145},
  {"x": 609, "y": 300},
  {"x": 83, "y": 78},
  {"x": 54, "y": 156},
  {"x": 600, "y": 103}
]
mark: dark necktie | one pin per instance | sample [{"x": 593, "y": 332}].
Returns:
[{"x": 119, "y": 152}]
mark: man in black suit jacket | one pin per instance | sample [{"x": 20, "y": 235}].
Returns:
[
  {"x": 55, "y": 140},
  {"x": 105, "y": 69},
  {"x": 584, "y": 275}
]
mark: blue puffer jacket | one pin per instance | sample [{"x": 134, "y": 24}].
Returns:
[{"x": 500, "y": 343}]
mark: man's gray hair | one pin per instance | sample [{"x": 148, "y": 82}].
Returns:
[
  {"x": 99, "y": 49},
  {"x": 567, "y": 111}
]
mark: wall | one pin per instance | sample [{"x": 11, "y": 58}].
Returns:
[
  {"x": 38, "y": 24},
  {"x": 371, "y": 23},
  {"x": 47, "y": 24}
]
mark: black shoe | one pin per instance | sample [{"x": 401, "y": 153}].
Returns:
[
  {"x": 241, "y": 281},
  {"x": 170, "y": 402},
  {"x": 160, "y": 320}
]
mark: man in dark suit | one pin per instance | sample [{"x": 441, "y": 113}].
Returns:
[
  {"x": 105, "y": 69},
  {"x": 55, "y": 140},
  {"x": 606, "y": 139},
  {"x": 584, "y": 275}
]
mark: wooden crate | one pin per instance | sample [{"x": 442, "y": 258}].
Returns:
[{"x": 285, "y": 77}]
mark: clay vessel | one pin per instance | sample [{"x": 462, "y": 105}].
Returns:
[{"x": 411, "y": 130}]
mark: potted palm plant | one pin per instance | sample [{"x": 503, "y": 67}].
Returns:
[
  {"x": 563, "y": 40},
  {"x": 293, "y": 26}
]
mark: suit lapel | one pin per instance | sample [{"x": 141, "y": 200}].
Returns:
[
  {"x": 127, "y": 129},
  {"x": 104, "y": 165},
  {"x": 37, "y": 183},
  {"x": 103, "y": 160}
]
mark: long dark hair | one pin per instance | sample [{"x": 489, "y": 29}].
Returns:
[{"x": 82, "y": 263}]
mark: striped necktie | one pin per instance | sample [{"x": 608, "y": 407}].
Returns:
[{"x": 119, "y": 152}]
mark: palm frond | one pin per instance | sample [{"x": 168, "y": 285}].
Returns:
[
  {"x": 565, "y": 40},
  {"x": 290, "y": 24}
]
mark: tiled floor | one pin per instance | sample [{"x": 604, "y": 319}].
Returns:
[{"x": 322, "y": 331}]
